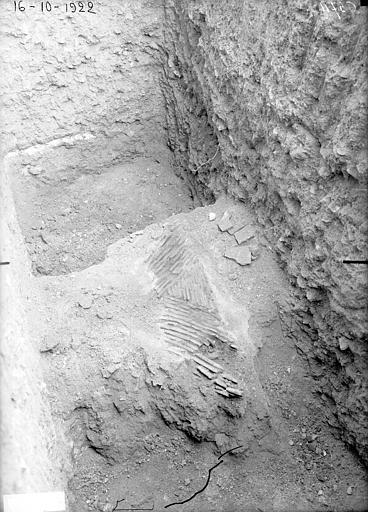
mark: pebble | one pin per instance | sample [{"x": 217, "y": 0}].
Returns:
[
  {"x": 103, "y": 314},
  {"x": 49, "y": 343},
  {"x": 349, "y": 490},
  {"x": 35, "y": 171},
  {"x": 187, "y": 481},
  {"x": 85, "y": 302},
  {"x": 291, "y": 442},
  {"x": 212, "y": 216},
  {"x": 118, "y": 226},
  {"x": 320, "y": 492}
]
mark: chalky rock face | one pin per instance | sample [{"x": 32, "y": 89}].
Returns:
[{"x": 281, "y": 89}]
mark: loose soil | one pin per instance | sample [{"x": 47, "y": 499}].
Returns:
[
  {"x": 68, "y": 225},
  {"x": 97, "y": 329}
]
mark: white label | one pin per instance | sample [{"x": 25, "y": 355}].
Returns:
[{"x": 35, "y": 502}]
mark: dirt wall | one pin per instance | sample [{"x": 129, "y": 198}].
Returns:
[
  {"x": 79, "y": 90},
  {"x": 32, "y": 450},
  {"x": 281, "y": 89}
]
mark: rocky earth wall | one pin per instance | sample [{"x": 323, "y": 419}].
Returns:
[
  {"x": 268, "y": 103},
  {"x": 33, "y": 452},
  {"x": 80, "y": 90}
]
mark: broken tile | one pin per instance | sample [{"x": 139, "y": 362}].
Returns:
[
  {"x": 234, "y": 391},
  {"x": 245, "y": 234},
  {"x": 204, "y": 372},
  {"x": 220, "y": 382},
  {"x": 237, "y": 227},
  {"x": 222, "y": 392},
  {"x": 241, "y": 255},
  {"x": 226, "y": 221},
  {"x": 229, "y": 377},
  {"x": 35, "y": 171}
]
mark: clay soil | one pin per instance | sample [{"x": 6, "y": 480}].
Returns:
[{"x": 91, "y": 328}]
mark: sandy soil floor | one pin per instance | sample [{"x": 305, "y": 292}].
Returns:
[{"x": 68, "y": 225}]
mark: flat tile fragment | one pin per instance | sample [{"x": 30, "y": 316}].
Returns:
[
  {"x": 245, "y": 234},
  {"x": 222, "y": 392},
  {"x": 225, "y": 222},
  {"x": 240, "y": 254},
  {"x": 205, "y": 372},
  {"x": 229, "y": 377},
  {"x": 234, "y": 392},
  {"x": 236, "y": 227}
]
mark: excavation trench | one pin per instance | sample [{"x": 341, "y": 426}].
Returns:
[{"x": 164, "y": 315}]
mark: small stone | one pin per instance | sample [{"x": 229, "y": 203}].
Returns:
[
  {"x": 226, "y": 222},
  {"x": 49, "y": 343},
  {"x": 241, "y": 255},
  {"x": 320, "y": 492},
  {"x": 35, "y": 171},
  {"x": 311, "y": 438},
  {"x": 103, "y": 314},
  {"x": 349, "y": 490},
  {"x": 187, "y": 481},
  {"x": 244, "y": 234},
  {"x": 85, "y": 302},
  {"x": 43, "y": 237},
  {"x": 233, "y": 277},
  {"x": 211, "y": 216},
  {"x": 291, "y": 442},
  {"x": 343, "y": 344},
  {"x": 118, "y": 226}
]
